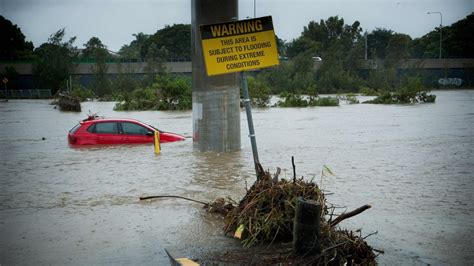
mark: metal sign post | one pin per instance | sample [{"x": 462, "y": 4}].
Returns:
[
  {"x": 238, "y": 46},
  {"x": 248, "y": 110}
]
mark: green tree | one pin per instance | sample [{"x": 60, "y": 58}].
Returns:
[
  {"x": 79, "y": 91},
  {"x": 101, "y": 84},
  {"x": 91, "y": 47},
  {"x": 282, "y": 47},
  {"x": 458, "y": 41},
  {"x": 296, "y": 76},
  {"x": 386, "y": 77},
  {"x": 174, "y": 92},
  {"x": 426, "y": 47},
  {"x": 259, "y": 92},
  {"x": 381, "y": 79},
  {"x": 333, "y": 78},
  {"x": 458, "y": 38},
  {"x": 124, "y": 81},
  {"x": 132, "y": 50},
  {"x": 12, "y": 42},
  {"x": 300, "y": 45},
  {"x": 175, "y": 39},
  {"x": 53, "y": 61},
  {"x": 96, "y": 50},
  {"x": 377, "y": 41},
  {"x": 155, "y": 59},
  {"x": 332, "y": 32},
  {"x": 277, "y": 78},
  {"x": 168, "y": 92},
  {"x": 302, "y": 74},
  {"x": 339, "y": 45},
  {"x": 398, "y": 48}
]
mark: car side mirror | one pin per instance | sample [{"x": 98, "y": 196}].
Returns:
[{"x": 150, "y": 133}]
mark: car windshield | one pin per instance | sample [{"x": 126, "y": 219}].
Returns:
[{"x": 155, "y": 128}]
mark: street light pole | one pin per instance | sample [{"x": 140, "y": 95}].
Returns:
[
  {"x": 254, "y": 8},
  {"x": 366, "y": 45},
  {"x": 440, "y": 30}
]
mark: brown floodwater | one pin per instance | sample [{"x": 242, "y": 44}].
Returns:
[{"x": 62, "y": 205}]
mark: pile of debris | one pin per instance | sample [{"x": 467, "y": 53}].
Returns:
[
  {"x": 266, "y": 220},
  {"x": 266, "y": 215},
  {"x": 67, "y": 102},
  {"x": 268, "y": 209}
]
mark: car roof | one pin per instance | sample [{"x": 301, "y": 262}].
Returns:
[{"x": 112, "y": 120}]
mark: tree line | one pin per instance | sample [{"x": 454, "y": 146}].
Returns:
[
  {"x": 316, "y": 37},
  {"x": 339, "y": 45}
]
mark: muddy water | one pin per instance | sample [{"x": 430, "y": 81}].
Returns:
[{"x": 60, "y": 205}]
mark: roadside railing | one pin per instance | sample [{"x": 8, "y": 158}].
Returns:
[{"x": 26, "y": 94}]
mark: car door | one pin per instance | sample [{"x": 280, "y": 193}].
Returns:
[
  {"x": 107, "y": 133},
  {"x": 135, "y": 133}
]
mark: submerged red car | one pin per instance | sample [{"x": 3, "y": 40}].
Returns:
[{"x": 95, "y": 130}]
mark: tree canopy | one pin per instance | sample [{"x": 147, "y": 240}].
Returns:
[
  {"x": 175, "y": 39},
  {"x": 325, "y": 58},
  {"x": 95, "y": 49},
  {"x": 339, "y": 45},
  {"x": 457, "y": 41},
  {"x": 319, "y": 38},
  {"x": 377, "y": 41},
  {"x": 133, "y": 49},
  {"x": 54, "y": 61},
  {"x": 13, "y": 45},
  {"x": 92, "y": 47}
]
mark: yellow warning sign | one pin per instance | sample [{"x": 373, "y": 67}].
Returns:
[{"x": 239, "y": 45}]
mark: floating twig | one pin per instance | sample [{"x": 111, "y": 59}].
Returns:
[
  {"x": 350, "y": 214},
  {"x": 173, "y": 196},
  {"x": 294, "y": 168},
  {"x": 371, "y": 234}
]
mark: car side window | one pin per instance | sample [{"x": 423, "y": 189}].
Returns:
[
  {"x": 91, "y": 128},
  {"x": 106, "y": 128},
  {"x": 133, "y": 129}
]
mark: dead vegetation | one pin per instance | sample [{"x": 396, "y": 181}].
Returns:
[
  {"x": 267, "y": 212},
  {"x": 265, "y": 216}
]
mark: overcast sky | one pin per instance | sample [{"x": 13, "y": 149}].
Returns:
[{"x": 114, "y": 21}]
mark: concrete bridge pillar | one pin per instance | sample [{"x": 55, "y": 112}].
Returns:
[{"x": 216, "y": 99}]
